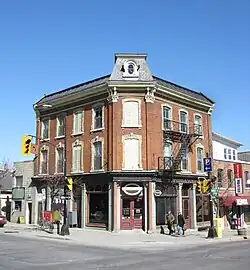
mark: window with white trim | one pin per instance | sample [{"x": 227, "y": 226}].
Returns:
[
  {"x": 44, "y": 162},
  {"x": 246, "y": 177},
  {"x": 199, "y": 156},
  {"x": 97, "y": 155},
  {"x": 183, "y": 121},
  {"x": 167, "y": 153},
  {"x": 225, "y": 153},
  {"x": 45, "y": 129},
  {"x": 166, "y": 117},
  {"x": 229, "y": 154},
  {"x": 234, "y": 155},
  {"x": 78, "y": 121},
  {"x": 198, "y": 124},
  {"x": 131, "y": 154},
  {"x": 77, "y": 158},
  {"x": 59, "y": 159},
  {"x": 184, "y": 158},
  {"x": 98, "y": 117},
  {"x": 60, "y": 121},
  {"x": 131, "y": 113}
]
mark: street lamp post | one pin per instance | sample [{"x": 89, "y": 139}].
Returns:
[{"x": 65, "y": 227}]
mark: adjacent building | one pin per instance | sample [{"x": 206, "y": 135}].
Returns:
[
  {"x": 24, "y": 204},
  {"x": 134, "y": 146},
  {"x": 228, "y": 164}
]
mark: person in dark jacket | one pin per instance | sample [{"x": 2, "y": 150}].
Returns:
[{"x": 181, "y": 223}]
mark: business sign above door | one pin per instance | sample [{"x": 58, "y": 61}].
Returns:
[
  {"x": 132, "y": 189},
  {"x": 242, "y": 202}
]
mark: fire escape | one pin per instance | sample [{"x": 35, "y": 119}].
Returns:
[{"x": 181, "y": 136}]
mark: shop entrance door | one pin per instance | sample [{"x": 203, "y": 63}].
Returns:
[
  {"x": 132, "y": 213},
  {"x": 186, "y": 211}
]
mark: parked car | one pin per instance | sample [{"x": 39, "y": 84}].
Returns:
[{"x": 3, "y": 220}]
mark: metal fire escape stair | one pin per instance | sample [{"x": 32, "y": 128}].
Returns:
[{"x": 181, "y": 147}]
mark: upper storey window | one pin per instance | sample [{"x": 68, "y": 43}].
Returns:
[
  {"x": 45, "y": 129},
  {"x": 166, "y": 117},
  {"x": 60, "y": 122},
  {"x": 98, "y": 117},
  {"x": 78, "y": 121},
  {"x": 183, "y": 121},
  {"x": 131, "y": 113},
  {"x": 198, "y": 124}
]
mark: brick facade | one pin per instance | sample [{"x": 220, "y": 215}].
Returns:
[{"x": 150, "y": 132}]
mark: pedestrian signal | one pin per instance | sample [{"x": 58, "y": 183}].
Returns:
[{"x": 26, "y": 145}]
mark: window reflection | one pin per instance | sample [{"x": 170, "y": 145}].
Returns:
[{"x": 98, "y": 208}]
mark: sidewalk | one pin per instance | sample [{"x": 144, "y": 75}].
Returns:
[{"x": 124, "y": 239}]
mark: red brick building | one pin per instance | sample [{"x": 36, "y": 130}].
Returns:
[
  {"x": 135, "y": 142},
  {"x": 232, "y": 205}
]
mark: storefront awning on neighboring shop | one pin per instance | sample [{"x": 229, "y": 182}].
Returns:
[{"x": 236, "y": 200}]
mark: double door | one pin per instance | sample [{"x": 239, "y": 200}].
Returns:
[{"x": 131, "y": 213}]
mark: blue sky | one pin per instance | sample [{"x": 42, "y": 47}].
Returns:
[{"x": 50, "y": 45}]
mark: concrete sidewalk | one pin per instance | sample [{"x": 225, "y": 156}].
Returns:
[{"x": 124, "y": 239}]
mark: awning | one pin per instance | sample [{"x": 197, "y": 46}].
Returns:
[{"x": 236, "y": 200}]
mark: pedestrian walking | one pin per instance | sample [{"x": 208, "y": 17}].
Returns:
[{"x": 181, "y": 223}]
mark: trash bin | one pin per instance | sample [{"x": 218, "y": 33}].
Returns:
[{"x": 218, "y": 227}]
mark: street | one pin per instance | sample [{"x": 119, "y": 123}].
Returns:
[{"x": 22, "y": 253}]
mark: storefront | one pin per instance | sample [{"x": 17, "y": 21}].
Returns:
[
  {"x": 236, "y": 210},
  {"x": 132, "y": 206}
]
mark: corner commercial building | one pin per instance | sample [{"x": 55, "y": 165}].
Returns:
[{"x": 135, "y": 146}]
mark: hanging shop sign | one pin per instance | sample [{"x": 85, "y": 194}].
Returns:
[
  {"x": 238, "y": 170},
  {"x": 157, "y": 192},
  {"x": 238, "y": 186},
  {"x": 132, "y": 189}
]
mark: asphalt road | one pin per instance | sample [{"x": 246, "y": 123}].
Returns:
[{"x": 21, "y": 253}]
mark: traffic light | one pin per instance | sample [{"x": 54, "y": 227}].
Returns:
[
  {"x": 69, "y": 184},
  {"x": 206, "y": 186},
  {"x": 199, "y": 186},
  {"x": 26, "y": 145}
]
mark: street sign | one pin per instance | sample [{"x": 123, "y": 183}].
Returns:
[
  {"x": 67, "y": 197},
  {"x": 207, "y": 164}
]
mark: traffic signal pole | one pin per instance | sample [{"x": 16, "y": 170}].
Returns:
[
  {"x": 65, "y": 226},
  {"x": 211, "y": 231}
]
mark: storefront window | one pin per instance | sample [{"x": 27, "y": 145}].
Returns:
[
  {"x": 98, "y": 208},
  {"x": 246, "y": 210},
  {"x": 163, "y": 205},
  {"x": 202, "y": 208}
]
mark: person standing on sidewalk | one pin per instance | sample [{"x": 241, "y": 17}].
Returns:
[
  {"x": 181, "y": 223},
  {"x": 170, "y": 222}
]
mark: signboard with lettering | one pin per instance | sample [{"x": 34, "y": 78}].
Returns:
[
  {"x": 241, "y": 202},
  {"x": 207, "y": 162},
  {"x": 237, "y": 170},
  {"x": 238, "y": 186}
]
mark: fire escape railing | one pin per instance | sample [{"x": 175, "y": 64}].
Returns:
[{"x": 182, "y": 136}]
